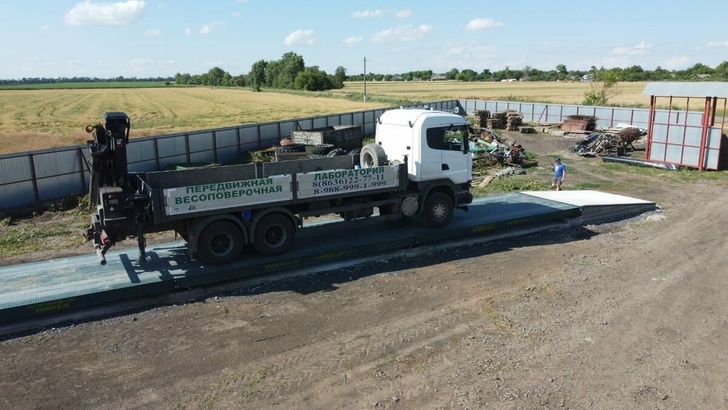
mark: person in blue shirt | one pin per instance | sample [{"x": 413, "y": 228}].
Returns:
[{"x": 559, "y": 174}]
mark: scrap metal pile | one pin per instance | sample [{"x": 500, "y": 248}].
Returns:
[
  {"x": 579, "y": 123},
  {"x": 612, "y": 142},
  {"x": 487, "y": 146},
  {"x": 495, "y": 156}
]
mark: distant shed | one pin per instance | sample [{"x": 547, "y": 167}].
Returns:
[{"x": 690, "y": 132}]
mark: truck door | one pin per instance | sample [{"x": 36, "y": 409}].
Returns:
[{"x": 443, "y": 157}]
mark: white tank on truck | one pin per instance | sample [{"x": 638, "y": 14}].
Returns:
[{"x": 418, "y": 167}]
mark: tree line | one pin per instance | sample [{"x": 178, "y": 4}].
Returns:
[
  {"x": 290, "y": 72},
  {"x": 65, "y": 80}
]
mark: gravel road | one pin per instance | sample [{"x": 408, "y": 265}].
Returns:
[{"x": 630, "y": 314}]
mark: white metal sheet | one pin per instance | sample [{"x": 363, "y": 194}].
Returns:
[{"x": 585, "y": 198}]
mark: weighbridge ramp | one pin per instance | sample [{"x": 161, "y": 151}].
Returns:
[{"x": 63, "y": 290}]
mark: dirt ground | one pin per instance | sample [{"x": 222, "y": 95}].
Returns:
[{"x": 624, "y": 315}]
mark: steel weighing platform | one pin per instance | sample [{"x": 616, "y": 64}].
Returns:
[{"x": 56, "y": 288}]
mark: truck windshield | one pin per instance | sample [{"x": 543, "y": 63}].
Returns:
[{"x": 449, "y": 138}]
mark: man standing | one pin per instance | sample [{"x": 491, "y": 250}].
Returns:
[{"x": 559, "y": 174}]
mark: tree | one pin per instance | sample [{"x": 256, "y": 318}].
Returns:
[
  {"x": 289, "y": 66},
  {"x": 485, "y": 75},
  {"x": 602, "y": 88},
  {"x": 467, "y": 75},
  {"x": 526, "y": 72},
  {"x": 452, "y": 74},
  {"x": 313, "y": 79},
  {"x": 272, "y": 70},
  {"x": 215, "y": 76},
  {"x": 182, "y": 79},
  {"x": 721, "y": 71},
  {"x": 238, "y": 81},
  {"x": 562, "y": 71},
  {"x": 257, "y": 75},
  {"x": 339, "y": 77}
]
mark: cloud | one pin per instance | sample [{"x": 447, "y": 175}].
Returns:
[
  {"x": 45, "y": 27},
  {"x": 153, "y": 32},
  {"x": 352, "y": 41},
  {"x": 714, "y": 44},
  {"x": 402, "y": 33},
  {"x": 208, "y": 28},
  {"x": 300, "y": 37},
  {"x": 105, "y": 14},
  {"x": 636, "y": 50},
  {"x": 466, "y": 55},
  {"x": 188, "y": 31},
  {"x": 677, "y": 62},
  {"x": 403, "y": 13},
  {"x": 482, "y": 24},
  {"x": 366, "y": 13}
]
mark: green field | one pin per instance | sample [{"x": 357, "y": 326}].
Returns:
[{"x": 48, "y": 118}]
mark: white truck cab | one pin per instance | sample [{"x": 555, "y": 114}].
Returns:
[{"x": 434, "y": 144}]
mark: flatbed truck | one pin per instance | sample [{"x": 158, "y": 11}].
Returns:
[{"x": 419, "y": 166}]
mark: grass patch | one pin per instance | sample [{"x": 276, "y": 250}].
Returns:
[
  {"x": 26, "y": 238},
  {"x": 513, "y": 183}
]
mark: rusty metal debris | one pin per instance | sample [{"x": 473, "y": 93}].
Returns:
[
  {"x": 613, "y": 142},
  {"x": 641, "y": 162},
  {"x": 491, "y": 153}
]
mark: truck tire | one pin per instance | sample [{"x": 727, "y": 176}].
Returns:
[
  {"x": 220, "y": 242},
  {"x": 356, "y": 154},
  {"x": 322, "y": 149},
  {"x": 372, "y": 155},
  {"x": 274, "y": 234},
  {"x": 337, "y": 152},
  {"x": 438, "y": 210}
]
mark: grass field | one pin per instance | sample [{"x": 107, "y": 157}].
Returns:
[{"x": 40, "y": 119}]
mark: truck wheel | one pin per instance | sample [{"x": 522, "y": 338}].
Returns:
[
  {"x": 220, "y": 242},
  {"x": 372, "y": 155},
  {"x": 322, "y": 149},
  {"x": 336, "y": 152},
  {"x": 274, "y": 234},
  {"x": 438, "y": 210}
]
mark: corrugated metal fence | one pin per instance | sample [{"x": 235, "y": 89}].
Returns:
[
  {"x": 32, "y": 178},
  {"x": 551, "y": 113}
]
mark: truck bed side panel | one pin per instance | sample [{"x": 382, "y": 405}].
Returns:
[
  {"x": 276, "y": 190},
  {"x": 341, "y": 182},
  {"x": 227, "y": 195}
]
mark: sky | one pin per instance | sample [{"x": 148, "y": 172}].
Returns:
[{"x": 159, "y": 38}]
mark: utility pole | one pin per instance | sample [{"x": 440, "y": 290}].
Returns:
[{"x": 365, "y": 79}]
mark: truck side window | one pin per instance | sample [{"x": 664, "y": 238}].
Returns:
[
  {"x": 435, "y": 138},
  {"x": 445, "y": 138}
]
